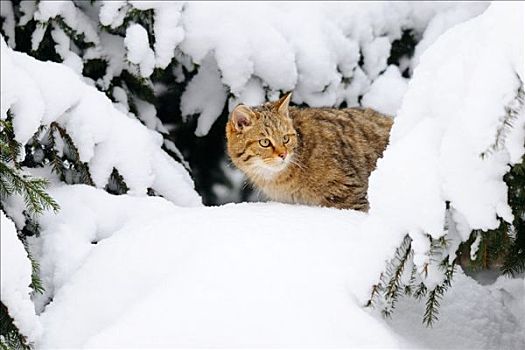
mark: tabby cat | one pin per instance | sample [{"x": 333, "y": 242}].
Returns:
[{"x": 312, "y": 156}]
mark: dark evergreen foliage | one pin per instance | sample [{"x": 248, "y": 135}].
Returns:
[{"x": 403, "y": 49}]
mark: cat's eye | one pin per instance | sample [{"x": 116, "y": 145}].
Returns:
[
  {"x": 264, "y": 143},
  {"x": 286, "y": 139}
]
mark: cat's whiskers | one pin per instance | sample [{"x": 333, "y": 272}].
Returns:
[{"x": 297, "y": 163}]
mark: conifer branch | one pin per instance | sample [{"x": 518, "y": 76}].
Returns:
[
  {"x": 31, "y": 189},
  {"x": 10, "y": 337},
  {"x": 393, "y": 287}
]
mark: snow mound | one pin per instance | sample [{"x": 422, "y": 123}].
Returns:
[
  {"x": 209, "y": 276},
  {"x": 239, "y": 275},
  {"x": 40, "y": 93}
]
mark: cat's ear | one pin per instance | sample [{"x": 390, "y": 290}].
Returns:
[
  {"x": 242, "y": 117},
  {"x": 281, "y": 106}
]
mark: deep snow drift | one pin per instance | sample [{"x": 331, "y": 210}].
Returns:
[{"x": 263, "y": 274}]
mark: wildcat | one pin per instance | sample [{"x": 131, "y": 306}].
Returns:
[{"x": 312, "y": 156}]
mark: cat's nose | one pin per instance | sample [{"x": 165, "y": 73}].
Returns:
[{"x": 283, "y": 154}]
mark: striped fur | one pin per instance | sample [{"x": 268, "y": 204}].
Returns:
[{"x": 328, "y": 158}]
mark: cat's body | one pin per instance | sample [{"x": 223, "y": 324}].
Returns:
[{"x": 315, "y": 156}]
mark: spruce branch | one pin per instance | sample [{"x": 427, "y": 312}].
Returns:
[
  {"x": 71, "y": 155},
  {"x": 116, "y": 183},
  {"x": 10, "y": 337},
  {"x": 9, "y": 147},
  {"x": 512, "y": 112},
  {"x": 395, "y": 271},
  {"x": 31, "y": 189},
  {"x": 432, "y": 303},
  {"x": 36, "y": 282},
  {"x": 514, "y": 261},
  {"x": 432, "y": 307},
  {"x": 420, "y": 291},
  {"x": 390, "y": 286}
]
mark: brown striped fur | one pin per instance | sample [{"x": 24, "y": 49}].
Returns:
[{"x": 326, "y": 161}]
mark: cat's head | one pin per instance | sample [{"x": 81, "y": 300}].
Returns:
[{"x": 262, "y": 139}]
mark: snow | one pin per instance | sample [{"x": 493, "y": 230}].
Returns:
[
  {"x": 121, "y": 99},
  {"x": 439, "y": 24},
  {"x": 27, "y": 9},
  {"x": 238, "y": 275},
  {"x": 15, "y": 278},
  {"x": 204, "y": 95},
  {"x": 66, "y": 243},
  {"x": 139, "y": 52},
  {"x": 261, "y": 49},
  {"x": 376, "y": 54},
  {"x": 110, "y": 14},
  {"x": 387, "y": 91},
  {"x": 252, "y": 95},
  {"x": 493, "y": 320},
  {"x": 62, "y": 47},
  {"x": 71, "y": 15},
  {"x": 138, "y": 271},
  {"x": 115, "y": 54},
  {"x": 45, "y": 92},
  {"x": 17, "y": 86},
  {"x": 148, "y": 115},
  {"x": 475, "y": 247},
  {"x": 8, "y": 25},
  {"x": 441, "y": 145},
  {"x": 168, "y": 32}
]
